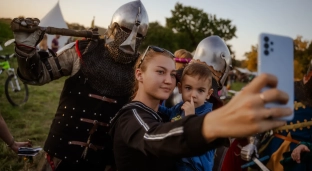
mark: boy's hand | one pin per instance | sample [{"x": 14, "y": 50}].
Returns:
[
  {"x": 295, "y": 155},
  {"x": 188, "y": 108}
]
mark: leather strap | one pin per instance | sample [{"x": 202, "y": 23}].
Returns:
[
  {"x": 286, "y": 138},
  {"x": 89, "y": 145},
  {"x": 95, "y": 122},
  {"x": 103, "y": 98}
]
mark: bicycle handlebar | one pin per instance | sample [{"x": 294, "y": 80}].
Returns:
[{"x": 7, "y": 57}]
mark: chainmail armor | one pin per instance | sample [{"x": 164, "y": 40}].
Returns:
[
  {"x": 104, "y": 74},
  {"x": 113, "y": 47}
]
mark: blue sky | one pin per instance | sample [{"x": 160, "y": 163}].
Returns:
[{"x": 251, "y": 17}]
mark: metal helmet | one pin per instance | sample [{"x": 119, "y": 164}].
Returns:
[
  {"x": 215, "y": 53},
  {"x": 127, "y": 29}
]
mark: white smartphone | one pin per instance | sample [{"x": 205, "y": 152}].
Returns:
[{"x": 276, "y": 56}]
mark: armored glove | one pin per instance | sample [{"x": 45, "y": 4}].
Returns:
[
  {"x": 26, "y": 32},
  {"x": 251, "y": 150},
  {"x": 248, "y": 152}
]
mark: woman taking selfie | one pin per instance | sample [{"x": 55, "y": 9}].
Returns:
[{"x": 144, "y": 141}]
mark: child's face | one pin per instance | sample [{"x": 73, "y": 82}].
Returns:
[{"x": 196, "y": 88}]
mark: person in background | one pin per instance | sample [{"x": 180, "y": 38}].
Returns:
[
  {"x": 182, "y": 58},
  {"x": 55, "y": 43},
  {"x": 43, "y": 45}
]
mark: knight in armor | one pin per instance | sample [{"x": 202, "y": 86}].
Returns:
[{"x": 100, "y": 82}]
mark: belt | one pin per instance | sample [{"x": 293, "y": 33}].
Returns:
[
  {"x": 95, "y": 122},
  {"x": 103, "y": 98},
  {"x": 89, "y": 145},
  {"x": 287, "y": 138}
]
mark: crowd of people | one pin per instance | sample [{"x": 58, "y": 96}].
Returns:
[{"x": 122, "y": 110}]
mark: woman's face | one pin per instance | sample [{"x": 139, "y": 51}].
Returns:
[{"x": 159, "y": 79}]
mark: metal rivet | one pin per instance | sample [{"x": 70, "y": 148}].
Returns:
[
  {"x": 78, "y": 92},
  {"x": 53, "y": 136},
  {"x": 48, "y": 150},
  {"x": 55, "y": 153},
  {"x": 70, "y": 92},
  {"x": 65, "y": 107},
  {"x": 66, "y": 124},
  {"x": 63, "y": 114},
  {"x": 87, "y": 129},
  {"x": 60, "y": 138},
  {"x": 76, "y": 127},
  {"x": 84, "y": 110},
  {"x": 65, "y": 157},
  {"x": 59, "y": 122},
  {"x": 71, "y": 116},
  {"x": 77, "y": 161},
  {"x": 79, "y": 77},
  {"x": 89, "y": 95},
  {"x": 69, "y": 142},
  {"x": 94, "y": 113},
  {"x": 100, "y": 114},
  {"x": 73, "y": 108}
]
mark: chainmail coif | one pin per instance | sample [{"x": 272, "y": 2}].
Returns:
[
  {"x": 104, "y": 74},
  {"x": 113, "y": 47}
]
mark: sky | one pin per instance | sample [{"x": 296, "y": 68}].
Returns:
[{"x": 251, "y": 17}]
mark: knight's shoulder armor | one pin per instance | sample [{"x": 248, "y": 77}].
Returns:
[{"x": 81, "y": 46}]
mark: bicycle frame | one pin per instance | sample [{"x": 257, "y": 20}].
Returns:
[{"x": 10, "y": 71}]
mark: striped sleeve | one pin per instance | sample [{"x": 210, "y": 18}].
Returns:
[{"x": 183, "y": 138}]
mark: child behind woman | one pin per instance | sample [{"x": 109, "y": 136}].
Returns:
[{"x": 195, "y": 87}]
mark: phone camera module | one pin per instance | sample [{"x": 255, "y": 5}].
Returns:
[
  {"x": 271, "y": 43},
  {"x": 266, "y": 52},
  {"x": 266, "y": 39},
  {"x": 266, "y": 45}
]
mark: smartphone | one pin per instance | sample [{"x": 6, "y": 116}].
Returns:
[{"x": 276, "y": 57}]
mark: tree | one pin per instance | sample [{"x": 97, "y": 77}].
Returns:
[
  {"x": 303, "y": 54},
  {"x": 252, "y": 58},
  {"x": 163, "y": 37},
  {"x": 197, "y": 24}
]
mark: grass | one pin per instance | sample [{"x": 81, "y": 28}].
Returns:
[
  {"x": 237, "y": 86},
  {"x": 30, "y": 121}
]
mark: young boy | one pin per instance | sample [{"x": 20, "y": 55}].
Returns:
[{"x": 195, "y": 87}]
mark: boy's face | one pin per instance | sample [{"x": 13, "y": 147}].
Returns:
[{"x": 196, "y": 88}]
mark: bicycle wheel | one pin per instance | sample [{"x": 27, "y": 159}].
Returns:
[{"x": 15, "y": 97}]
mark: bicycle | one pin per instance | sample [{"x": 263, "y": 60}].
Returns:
[{"x": 15, "y": 91}]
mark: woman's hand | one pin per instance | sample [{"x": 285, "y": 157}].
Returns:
[
  {"x": 245, "y": 114},
  {"x": 295, "y": 155}
]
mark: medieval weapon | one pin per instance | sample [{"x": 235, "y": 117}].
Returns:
[{"x": 20, "y": 27}]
